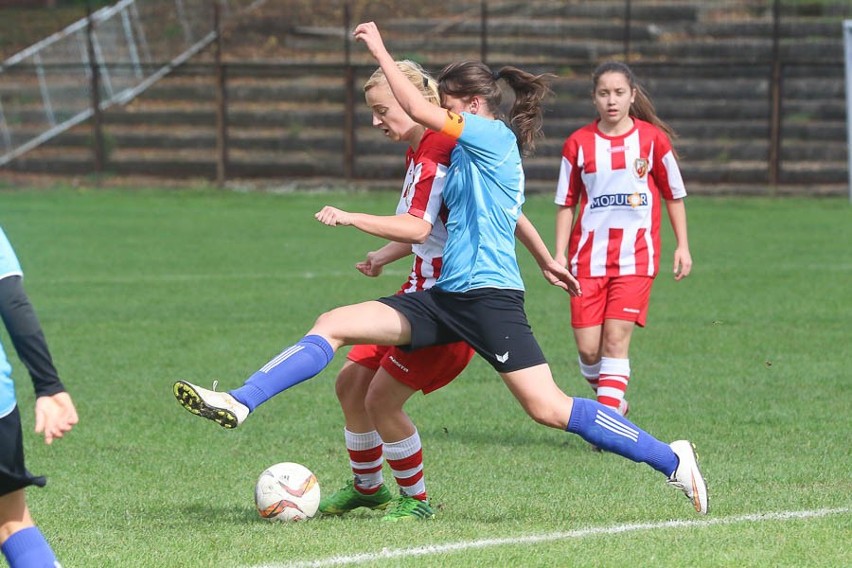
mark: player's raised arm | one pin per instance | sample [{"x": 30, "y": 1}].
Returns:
[{"x": 406, "y": 94}]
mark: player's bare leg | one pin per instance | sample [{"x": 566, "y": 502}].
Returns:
[
  {"x": 403, "y": 450},
  {"x": 367, "y": 322}
]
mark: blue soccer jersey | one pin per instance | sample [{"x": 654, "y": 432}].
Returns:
[
  {"x": 9, "y": 266},
  {"x": 7, "y": 387},
  {"x": 484, "y": 192}
]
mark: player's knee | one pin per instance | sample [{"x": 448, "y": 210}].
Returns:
[
  {"x": 547, "y": 413},
  {"x": 589, "y": 355},
  {"x": 376, "y": 403},
  {"x": 324, "y": 322},
  {"x": 328, "y": 325},
  {"x": 340, "y": 388},
  {"x": 351, "y": 386}
]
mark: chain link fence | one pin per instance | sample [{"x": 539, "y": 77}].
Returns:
[
  {"x": 105, "y": 58},
  {"x": 754, "y": 87}
]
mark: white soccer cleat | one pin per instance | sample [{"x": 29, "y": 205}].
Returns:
[
  {"x": 220, "y": 407},
  {"x": 687, "y": 476}
]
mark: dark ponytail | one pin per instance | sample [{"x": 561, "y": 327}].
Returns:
[
  {"x": 526, "y": 114},
  {"x": 473, "y": 78}
]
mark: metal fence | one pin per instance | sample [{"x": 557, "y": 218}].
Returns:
[
  {"x": 106, "y": 58},
  {"x": 553, "y": 32},
  {"x": 781, "y": 60},
  {"x": 768, "y": 74}
]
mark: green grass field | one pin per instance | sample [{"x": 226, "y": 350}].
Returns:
[{"x": 749, "y": 357}]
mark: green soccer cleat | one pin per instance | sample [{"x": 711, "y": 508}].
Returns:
[
  {"x": 405, "y": 508},
  {"x": 349, "y": 498}
]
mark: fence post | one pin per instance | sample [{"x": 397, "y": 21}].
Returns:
[
  {"x": 97, "y": 118},
  {"x": 775, "y": 101},
  {"x": 628, "y": 15},
  {"x": 483, "y": 18},
  {"x": 847, "y": 46},
  {"x": 221, "y": 101},
  {"x": 349, "y": 87}
]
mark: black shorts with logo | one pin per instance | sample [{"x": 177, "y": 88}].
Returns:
[
  {"x": 13, "y": 474},
  {"x": 491, "y": 320}
]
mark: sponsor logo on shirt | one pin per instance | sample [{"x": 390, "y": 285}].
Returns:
[{"x": 633, "y": 200}]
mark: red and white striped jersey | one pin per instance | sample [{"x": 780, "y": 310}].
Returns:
[
  {"x": 616, "y": 184},
  {"x": 422, "y": 190}
]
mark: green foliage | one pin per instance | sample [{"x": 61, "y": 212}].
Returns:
[{"x": 749, "y": 357}]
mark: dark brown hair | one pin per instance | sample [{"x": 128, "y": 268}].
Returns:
[
  {"x": 642, "y": 107},
  {"x": 474, "y": 78}
]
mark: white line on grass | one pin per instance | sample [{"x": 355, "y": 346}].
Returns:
[{"x": 550, "y": 537}]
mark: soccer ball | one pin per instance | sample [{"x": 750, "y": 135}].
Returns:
[{"x": 287, "y": 492}]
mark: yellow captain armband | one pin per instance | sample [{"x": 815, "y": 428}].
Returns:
[{"x": 453, "y": 126}]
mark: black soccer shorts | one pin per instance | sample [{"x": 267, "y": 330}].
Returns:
[
  {"x": 13, "y": 473},
  {"x": 491, "y": 320}
]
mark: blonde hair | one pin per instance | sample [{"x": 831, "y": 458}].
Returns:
[{"x": 415, "y": 73}]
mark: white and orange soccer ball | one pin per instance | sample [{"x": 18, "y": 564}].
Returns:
[{"x": 287, "y": 492}]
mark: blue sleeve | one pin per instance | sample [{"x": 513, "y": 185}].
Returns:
[{"x": 488, "y": 141}]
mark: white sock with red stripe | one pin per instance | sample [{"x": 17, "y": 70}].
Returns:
[
  {"x": 405, "y": 459},
  {"x": 591, "y": 373},
  {"x": 615, "y": 373},
  {"x": 365, "y": 457}
]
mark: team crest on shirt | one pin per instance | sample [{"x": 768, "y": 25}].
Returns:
[{"x": 640, "y": 167}]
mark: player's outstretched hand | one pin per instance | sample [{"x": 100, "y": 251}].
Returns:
[
  {"x": 55, "y": 415},
  {"x": 332, "y": 216},
  {"x": 561, "y": 277},
  {"x": 368, "y": 32}
]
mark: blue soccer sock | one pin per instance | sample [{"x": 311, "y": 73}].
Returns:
[
  {"x": 295, "y": 364},
  {"x": 28, "y": 548},
  {"x": 608, "y": 430}
]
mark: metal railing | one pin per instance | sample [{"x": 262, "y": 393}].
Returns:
[{"x": 106, "y": 58}]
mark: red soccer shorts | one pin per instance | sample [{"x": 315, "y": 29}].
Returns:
[
  {"x": 611, "y": 297},
  {"x": 426, "y": 369}
]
